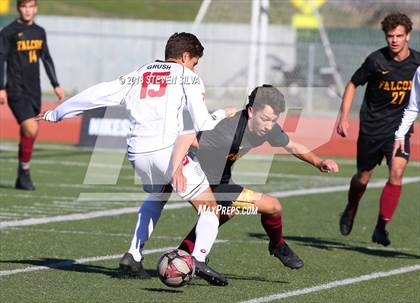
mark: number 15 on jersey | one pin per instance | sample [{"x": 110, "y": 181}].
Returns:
[{"x": 155, "y": 78}]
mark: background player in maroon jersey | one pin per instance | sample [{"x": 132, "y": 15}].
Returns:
[
  {"x": 388, "y": 73},
  {"x": 22, "y": 43}
]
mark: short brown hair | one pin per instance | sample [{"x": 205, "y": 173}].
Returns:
[
  {"x": 180, "y": 43},
  {"x": 22, "y": 2},
  {"x": 393, "y": 20},
  {"x": 267, "y": 95}
]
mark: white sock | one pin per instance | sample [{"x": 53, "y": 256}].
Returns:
[
  {"x": 206, "y": 233},
  {"x": 149, "y": 214}
]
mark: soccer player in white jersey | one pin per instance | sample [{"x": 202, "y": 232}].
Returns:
[
  {"x": 410, "y": 114},
  {"x": 155, "y": 96}
]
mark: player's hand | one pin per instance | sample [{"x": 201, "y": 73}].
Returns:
[
  {"x": 230, "y": 111},
  {"x": 328, "y": 166},
  {"x": 46, "y": 116},
  {"x": 40, "y": 116},
  {"x": 398, "y": 144},
  {"x": 343, "y": 127},
  {"x": 3, "y": 96},
  {"x": 60, "y": 93},
  {"x": 178, "y": 180}
]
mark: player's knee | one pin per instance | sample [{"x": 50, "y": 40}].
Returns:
[
  {"x": 30, "y": 132},
  {"x": 276, "y": 207},
  {"x": 396, "y": 176},
  {"x": 363, "y": 177}
]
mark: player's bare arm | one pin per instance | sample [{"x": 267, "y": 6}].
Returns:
[
  {"x": 182, "y": 144},
  {"x": 230, "y": 111},
  {"x": 187, "y": 140},
  {"x": 60, "y": 93},
  {"x": 343, "y": 122},
  {"x": 398, "y": 144},
  {"x": 303, "y": 153}
]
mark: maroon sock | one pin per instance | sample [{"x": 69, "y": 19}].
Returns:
[
  {"x": 388, "y": 203},
  {"x": 25, "y": 148},
  {"x": 356, "y": 192},
  {"x": 189, "y": 242},
  {"x": 273, "y": 228}
]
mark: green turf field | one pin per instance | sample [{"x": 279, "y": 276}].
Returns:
[{"x": 75, "y": 258}]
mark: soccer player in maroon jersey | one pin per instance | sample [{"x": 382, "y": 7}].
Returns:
[
  {"x": 388, "y": 73},
  {"x": 22, "y": 44}
]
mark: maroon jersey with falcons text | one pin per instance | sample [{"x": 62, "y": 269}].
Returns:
[
  {"x": 388, "y": 90},
  {"x": 21, "y": 47}
]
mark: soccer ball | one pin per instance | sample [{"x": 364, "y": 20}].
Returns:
[{"x": 176, "y": 268}]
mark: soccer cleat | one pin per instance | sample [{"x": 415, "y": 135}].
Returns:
[
  {"x": 286, "y": 255},
  {"x": 209, "y": 274},
  {"x": 380, "y": 236},
  {"x": 23, "y": 180},
  {"x": 133, "y": 268},
  {"x": 346, "y": 222}
]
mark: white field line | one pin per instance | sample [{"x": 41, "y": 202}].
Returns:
[
  {"x": 235, "y": 174},
  {"x": 82, "y": 186},
  {"x": 30, "y": 196},
  {"x": 74, "y": 262},
  {"x": 352, "y": 246},
  {"x": 5, "y": 213},
  {"x": 115, "y": 196},
  {"x": 251, "y": 156},
  {"x": 332, "y": 189},
  {"x": 11, "y": 146},
  {"x": 90, "y": 233},
  {"x": 127, "y": 210},
  {"x": 289, "y": 158},
  {"x": 82, "y": 216},
  {"x": 83, "y": 260},
  {"x": 334, "y": 284},
  {"x": 72, "y": 163},
  {"x": 289, "y": 176}
]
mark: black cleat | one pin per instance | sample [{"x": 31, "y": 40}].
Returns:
[
  {"x": 286, "y": 255},
  {"x": 23, "y": 180},
  {"x": 209, "y": 274},
  {"x": 133, "y": 268},
  {"x": 380, "y": 236},
  {"x": 346, "y": 222}
]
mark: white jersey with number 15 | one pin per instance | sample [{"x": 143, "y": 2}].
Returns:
[{"x": 155, "y": 96}]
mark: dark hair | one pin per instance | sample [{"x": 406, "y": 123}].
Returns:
[
  {"x": 19, "y": 3},
  {"x": 267, "y": 95},
  {"x": 179, "y": 43},
  {"x": 393, "y": 20}
]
